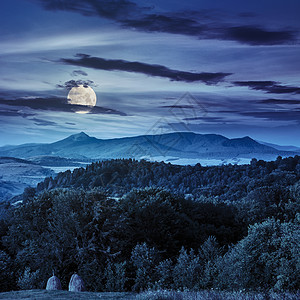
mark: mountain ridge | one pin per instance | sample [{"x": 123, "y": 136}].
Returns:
[
  {"x": 187, "y": 145},
  {"x": 281, "y": 147}
]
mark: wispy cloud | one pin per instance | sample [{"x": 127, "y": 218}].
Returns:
[
  {"x": 272, "y": 87},
  {"x": 41, "y": 122},
  {"x": 279, "y": 115},
  {"x": 207, "y": 119},
  {"x": 56, "y": 104},
  {"x": 118, "y": 9},
  {"x": 79, "y": 73},
  {"x": 253, "y": 35},
  {"x": 170, "y": 23},
  {"x": 129, "y": 15},
  {"x": 99, "y": 63},
  {"x": 15, "y": 113},
  {"x": 280, "y": 101}
]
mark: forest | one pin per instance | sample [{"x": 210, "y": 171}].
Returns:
[{"x": 128, "y": 225}]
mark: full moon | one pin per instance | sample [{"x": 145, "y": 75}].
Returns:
[{"x": 82, "y": 95}]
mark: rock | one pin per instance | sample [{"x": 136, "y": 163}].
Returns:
[
  {"x": 53, "y": 284},
  {"x": 76, "y": 284}
]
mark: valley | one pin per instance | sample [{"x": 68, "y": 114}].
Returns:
[{"x": 26, "y": 165}]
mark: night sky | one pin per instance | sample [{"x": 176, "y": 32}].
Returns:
[{"x": 208, "y": 66}]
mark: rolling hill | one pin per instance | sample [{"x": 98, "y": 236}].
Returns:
[{"x": 17, "y": 174}]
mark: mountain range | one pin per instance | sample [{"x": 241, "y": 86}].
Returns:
[{"x": 168, "y": 147}]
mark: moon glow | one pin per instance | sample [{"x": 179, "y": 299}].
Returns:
[{"x": 82, "y": 95}]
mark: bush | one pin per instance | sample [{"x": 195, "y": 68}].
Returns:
[
  {"x": 115, "y": 277},
  {"x": 6, "y": 274},
  {"x": 29, "y": 280}
]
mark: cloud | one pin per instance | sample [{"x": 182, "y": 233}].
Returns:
[
  {"x": 56, "y": 104},
  {"x": 269, "y": 87},
  {"x": 203, "y": 25},
  {"x": 75, "y": 83},
  {"x": 116, "y": 9},
  {"x": 99, "y": 63},
  {"x": 278, "y": 115},
  {"x": 207, "y": 119},
  {"x": 78, "y": 73},
  {"x": 15, "y": 113},
  {"x": 252, "y": 35},
  {"x": 170, "y": 23},
  {"x": 41, "y": 122},
  {"x": 178, "y": 106},
  {"x": 279, "y": 101}
]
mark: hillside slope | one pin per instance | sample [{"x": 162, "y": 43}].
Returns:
[{"x": 17, "y": 174}]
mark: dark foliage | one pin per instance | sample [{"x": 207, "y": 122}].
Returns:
[
  {"x": 104, "y": 223},
  {"x": 225, "y": 183}
]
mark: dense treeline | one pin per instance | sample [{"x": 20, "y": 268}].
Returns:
[
  {"x": 239, "y": 228},
  {"x": 226, "y": 183},
  {"x": 258, "y": 191}
]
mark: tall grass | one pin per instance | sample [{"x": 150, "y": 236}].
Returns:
[{"x": 216, "y": 295}]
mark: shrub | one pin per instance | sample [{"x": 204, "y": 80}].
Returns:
[
  {"x": 115, "y": 277},
  {"x": 29, "y": 280},
  {"x": 6, "y": 274}
]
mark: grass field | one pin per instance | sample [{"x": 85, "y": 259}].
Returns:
[
  {"x": 160, "y": 295},
  {"x": 49, "y": 295}
]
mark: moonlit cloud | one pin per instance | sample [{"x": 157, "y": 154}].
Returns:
[
  {"x": 87, "y": 61},
  {"x": 75, "y": 83},
  {"x": 55, "y": 104}
]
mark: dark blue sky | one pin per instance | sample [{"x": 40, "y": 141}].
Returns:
[{"x": 228, "y": 67}]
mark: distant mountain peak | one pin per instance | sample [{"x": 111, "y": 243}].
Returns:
[
  {"x": 82, "y": 134},
  {"x": 247, "y": 137},
  {"x": 79, "y": 136}
]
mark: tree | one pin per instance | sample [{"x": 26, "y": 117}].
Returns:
[
  {"x": 144, "y": 259},
  {"x": 187, "y": 270},
  {"x": 115, "y": 276},
  {"x": 209, "y": 253},
  {"x": 58, "y": 231},
  {"x": 6, "y": 272},
  {"x": 29, "y": 280},
  {"x": 268, "y": 258},
  {"x": 164, "y": 275}
]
